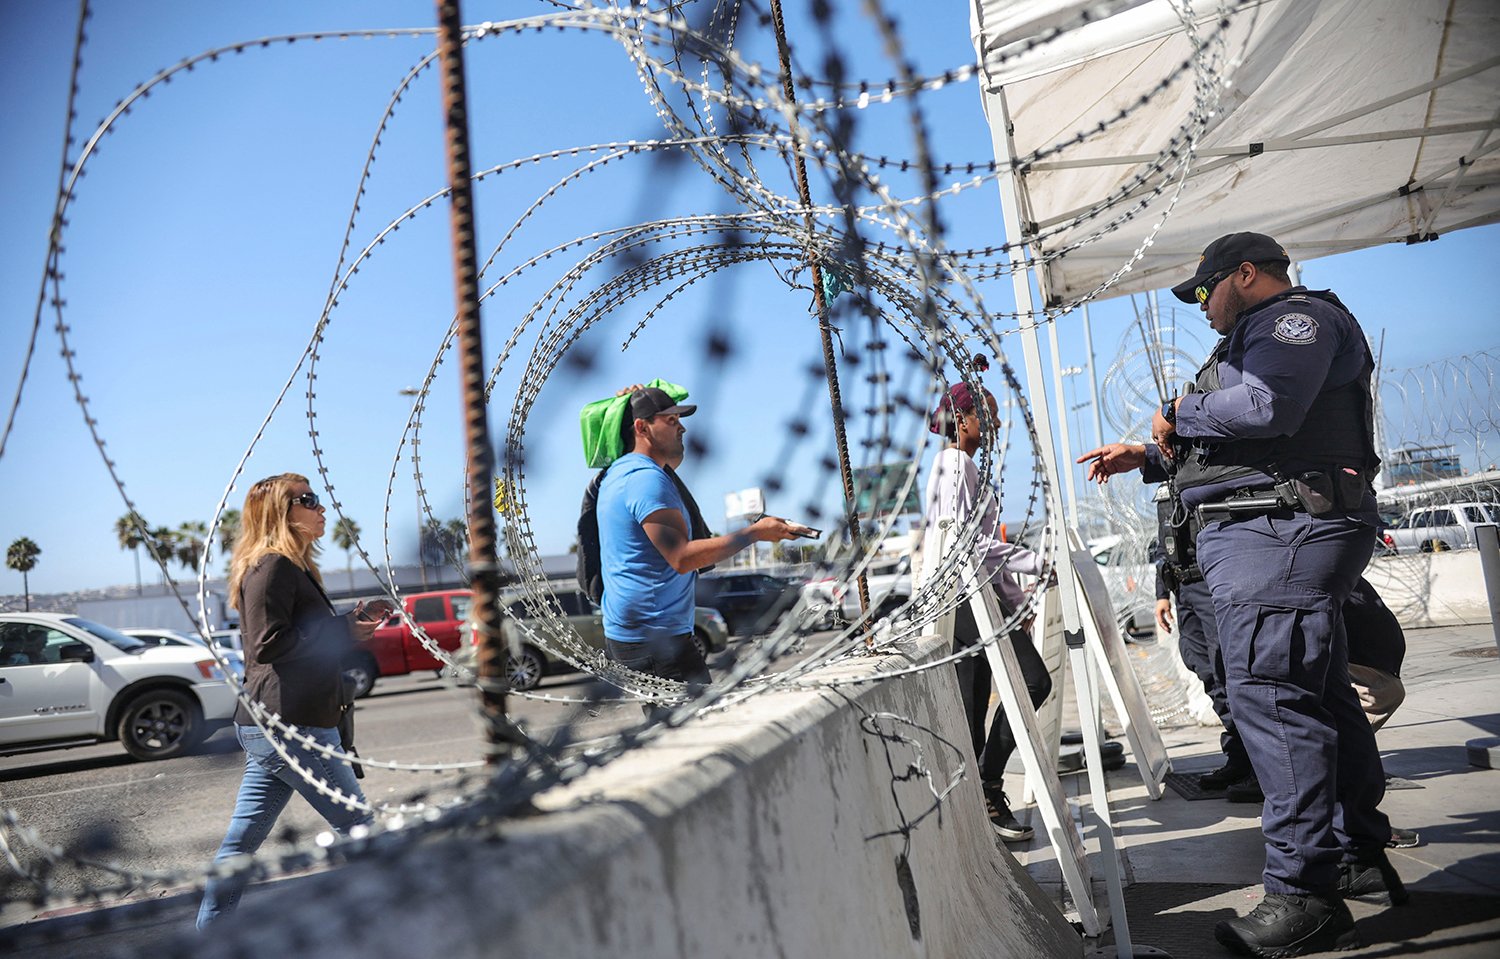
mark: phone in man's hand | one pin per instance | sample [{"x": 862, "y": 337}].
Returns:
[{"x": 800, "y": 530}]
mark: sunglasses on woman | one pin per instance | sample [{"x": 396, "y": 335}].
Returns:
[{"x": 308, "y": 500}]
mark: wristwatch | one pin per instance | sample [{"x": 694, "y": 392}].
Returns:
[{"x": 1169, "y": 411}]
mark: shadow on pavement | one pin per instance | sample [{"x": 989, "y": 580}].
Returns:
[
  {"x": 63, "y": 766},
  {"x": 1179, "y": 918},
  {"x": 1429, "y": 923}
]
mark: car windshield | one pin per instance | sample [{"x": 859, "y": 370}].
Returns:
[{"x": 116, "y": 639}]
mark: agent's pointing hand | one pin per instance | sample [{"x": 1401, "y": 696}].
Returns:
[{"x": 1106, "y": 461}]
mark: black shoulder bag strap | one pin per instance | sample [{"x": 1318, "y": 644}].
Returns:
[{"x": 697, "y": 527}]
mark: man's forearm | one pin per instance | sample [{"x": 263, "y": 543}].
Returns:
[{"x": 697, "y": 553}]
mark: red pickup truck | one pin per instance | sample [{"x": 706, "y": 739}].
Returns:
[{"x": 394, "y": 650}]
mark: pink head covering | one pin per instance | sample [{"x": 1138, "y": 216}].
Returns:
[{"x": 958, "y": 399}]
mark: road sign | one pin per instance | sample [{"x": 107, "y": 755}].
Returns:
[{"x": 886, "y": 489}]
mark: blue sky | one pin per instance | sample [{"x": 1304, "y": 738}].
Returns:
[{"x": 206, "y": 233}]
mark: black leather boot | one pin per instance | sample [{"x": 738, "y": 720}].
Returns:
[
  {"x": 1371, "y": 876},
  {"x": 1225, "y": 776},
  {"x": 1246, "y": 790},
  {"x": 1284, "y": 925}
]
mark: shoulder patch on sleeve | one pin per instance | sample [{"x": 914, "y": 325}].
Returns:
[{"x": 1297, "y": 329}]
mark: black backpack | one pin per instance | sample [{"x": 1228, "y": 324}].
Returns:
[{"x": 590, "y": 567}]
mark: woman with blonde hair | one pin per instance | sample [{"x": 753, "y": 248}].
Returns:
[{"x": 294, "y": 646}]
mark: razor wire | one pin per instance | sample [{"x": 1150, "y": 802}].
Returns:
[
  {"x": 1449, "y": 405},
  {"x": 730, "y": 119}
]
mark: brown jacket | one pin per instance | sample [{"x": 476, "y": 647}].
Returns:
[{"x": 294, "y": 644}]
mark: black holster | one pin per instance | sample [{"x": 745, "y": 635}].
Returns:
[{"x": 1320, "y": 493}]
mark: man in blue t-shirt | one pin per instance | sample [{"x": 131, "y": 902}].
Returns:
[{"x": 647, "y": 554}]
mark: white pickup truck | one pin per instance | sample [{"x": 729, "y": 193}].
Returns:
[
  {"x": 66, "y": 681},
  {"x": 1430, "y": 529}
]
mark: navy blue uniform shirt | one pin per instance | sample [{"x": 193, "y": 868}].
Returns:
[{"x": 1278, "y": 359}]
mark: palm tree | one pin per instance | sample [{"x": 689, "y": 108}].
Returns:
[
  {"x": 130, "y": 529},
  {"x": 21, "y": 557},
  {"x": 433, "y": 543},
  {"x": 191, "y": 542},
  {"x": 229, "y": 531},
  {"x": 345, "y": 536},
  {"x": 163, "y": 544},
  {"x": 458, "y": 537}
]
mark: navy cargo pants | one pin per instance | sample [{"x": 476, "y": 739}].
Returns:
[
  {"x": 1198, "y": 642},
  {"x": 1279, "y": 582}
]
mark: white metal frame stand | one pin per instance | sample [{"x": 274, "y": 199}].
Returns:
[
  {"x": 1052, "y": 801},
  {"x": 1012, "y": 202}
]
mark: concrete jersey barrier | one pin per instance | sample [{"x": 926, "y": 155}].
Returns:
[
  {"x": 1432, "y": 589},
  {"x": 785, "y": 826}
]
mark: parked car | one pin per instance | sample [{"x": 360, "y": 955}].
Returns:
[
  {"x": 749, "y": 602},
  {"x": 837, "y": 600},
  {"x": 228, "y": 642},
  {"x": 1432, "y": 529},
  {"x": 395, "y": 650},
  {"x": 1132, "y": 584},
  {"x": 157, "y": 636},
  {"x": 525, "y": 671},
  {"x": 66, "y": 681}
]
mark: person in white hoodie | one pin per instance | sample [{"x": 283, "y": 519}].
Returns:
[{"x": 954, "y": 490}]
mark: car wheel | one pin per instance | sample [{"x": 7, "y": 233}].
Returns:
[
  {"x": 360, "y": 673},
  {"x": 700, "y": 641},
  {"x": 160, "y": 724},
  {"x": 523, "y": 672}
]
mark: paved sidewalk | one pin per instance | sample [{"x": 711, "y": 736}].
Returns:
[{"x": 1190, "y": 864}]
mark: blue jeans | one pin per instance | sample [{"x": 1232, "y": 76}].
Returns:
[
  {"x": 670, "y": 657},
  {"x": 266, "y": 787}
]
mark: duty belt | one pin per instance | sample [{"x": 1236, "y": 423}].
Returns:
[{"x": 1244, "y": 507}]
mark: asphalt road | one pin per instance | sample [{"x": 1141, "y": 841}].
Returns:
[{"x": 170, "y": 815}]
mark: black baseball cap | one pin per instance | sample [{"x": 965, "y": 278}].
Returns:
[
  {"x": 650, "y": 401},
  {"x": 1226, "y": 253}
]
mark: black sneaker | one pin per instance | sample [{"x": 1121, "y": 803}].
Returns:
[
  {"x": 1246, "y": 790},
  {"x": 1372, "y": 877},
  {"x": 1404, "y": 838},
  {"x": 1003, "y": 821},
  {"x": 1224, "y": 777},
  {"x": 1283, "y": 925}
]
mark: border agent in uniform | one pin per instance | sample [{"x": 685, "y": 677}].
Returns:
[
  {"x": 1274, "y": 447},
  {"x": 1178, "y": 575}
]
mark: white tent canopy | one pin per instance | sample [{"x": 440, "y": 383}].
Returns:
[{"x": 1341, "y": 124}]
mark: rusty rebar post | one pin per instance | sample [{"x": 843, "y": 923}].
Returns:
[
  {"x": 484, "y": 570},
  {"x": 825, "y": 330}
]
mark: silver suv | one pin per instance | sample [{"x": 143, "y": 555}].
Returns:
[
  {"x": 1434, "y": 529},
  {"x": 526, "y": 670},
  {"x": 65, "y": 681}
]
